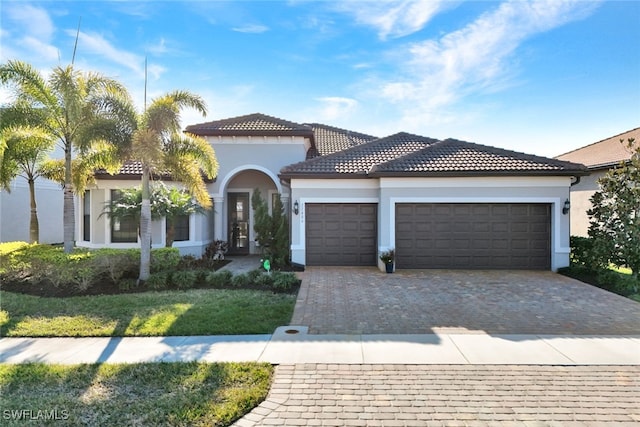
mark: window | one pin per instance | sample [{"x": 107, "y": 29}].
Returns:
[
  {"x": 181, "y": 226},
  {"x": 86, "y": 217},
  {"x": 123, "y": 230}
]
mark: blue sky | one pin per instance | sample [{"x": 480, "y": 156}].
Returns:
[{"x": 542, "y": 77}]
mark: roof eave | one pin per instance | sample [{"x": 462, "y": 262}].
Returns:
[
  {"x": 323, "y": 175},
  {"x": 243, "y": 132},
  {"x": 433, "y": 174},
  {"x": 138, "y": 177}
]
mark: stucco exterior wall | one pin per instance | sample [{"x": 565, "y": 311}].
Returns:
[
  {"x": 581, "y": 202},
  {"x": 389, "y": 191},
  {"x": 15, "y": 211},
  {"x": 101, "y": 225},
  {"x": 267, "y": 155}
]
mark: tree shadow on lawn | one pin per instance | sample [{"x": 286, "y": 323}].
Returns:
[{"x": 131, "y": 394}]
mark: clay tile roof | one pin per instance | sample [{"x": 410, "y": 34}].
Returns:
[
  {"x": 359, "y": 160},
  {"x": 253, "y": 124},
  {"x": 132, "y": 170},
  {"x": 603, "y": 154},
  {"x": 330, "y": 139},
  {"x": 454, "y": 157}
]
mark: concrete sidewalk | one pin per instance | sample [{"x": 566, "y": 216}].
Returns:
[{"x": 292, "y": 345}]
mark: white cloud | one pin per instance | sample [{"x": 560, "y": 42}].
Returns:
[
  {"x": 251, "y": 29},
  {"x": 158, "y": 48},
  {"x": 476, "y": 58},
  {"x": 27, "y": 32},
  {"x": 44, "y": 51},
  {"x": 98, "y": 45},
  {"x": 35, "y": 22},
  {"x": 334, "y": 107},
  {"x": 395, "y": 18}
]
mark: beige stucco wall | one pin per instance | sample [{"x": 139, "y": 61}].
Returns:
[
  {"x": 581, "y": 202},
  {"x": 101, "y": 226},
  {"x": 15, "y": 211},
  {"x": 245, "y": 163}
]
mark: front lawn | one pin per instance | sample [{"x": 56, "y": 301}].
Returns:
[
  {"x": 192, "y": 312},
  {"x": 167, "y": 394}
]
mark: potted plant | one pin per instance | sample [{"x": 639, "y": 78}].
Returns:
[{"x": 388, "y": 257}]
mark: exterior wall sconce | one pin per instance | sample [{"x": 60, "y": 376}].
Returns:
[
  {"x": 296, "y": 207},
  {"x": 567, "y": 206}
]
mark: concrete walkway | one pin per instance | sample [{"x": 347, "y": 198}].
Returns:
[{"x": 292, "y": 345}]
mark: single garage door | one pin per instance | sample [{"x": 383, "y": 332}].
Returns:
[
  {"x": 473, "y": 236},
  {"x": 341, "y": 233}
]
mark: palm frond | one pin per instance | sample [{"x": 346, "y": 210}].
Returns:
[
  {"x": 27, "y": 82},
  {"x": 25, "y": 148}
]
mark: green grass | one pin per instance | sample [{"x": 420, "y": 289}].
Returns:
[
  {"x": 193, "y": 312},
  {"x": 158, "y": 394}
]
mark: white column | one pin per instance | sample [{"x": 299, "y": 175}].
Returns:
[
  {"x": 219, "y": 207},
  {"x": 284, "y": 198}
]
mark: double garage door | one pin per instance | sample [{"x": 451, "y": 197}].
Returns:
[
  {"x": 473, "y": 236},
  {"x": 433, "y": 235}
]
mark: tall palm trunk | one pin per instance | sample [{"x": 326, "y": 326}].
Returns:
[
  {"x": 145, "y": 228},
  {"x": 171, "y": 232},
  {"x": 69, "y": 216},
  {"x": 34, "y": 226}
]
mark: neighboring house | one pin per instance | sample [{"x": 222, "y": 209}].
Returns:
[
  {"x": 440, "y": 204},
  {"x": 599, "y": 158},
  {"x": 15, "y": 211}
]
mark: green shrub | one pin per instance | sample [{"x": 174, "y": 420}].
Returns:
[
  {"x": 219, "y": 279},
  {"x": 118, "y": 263},
  {"x": 241, "y": 280},
  {"x": 201, "y": 276},
  {"x": 583, "y": 253},
  {"x": 264, "y": 280},
  {"x": 8, "y": 252},
  {"x": 188, "y": 262},
  {"x": 623, "y": 284},
  {"x": 284, "y": 281},
  {"x": 164, "y": 259},
  {"x": 254, "y": 274},
  {"x": 127, "y": 284},
  {"x": 183, "y": 279},
  {"x": 160, "y": 280}
]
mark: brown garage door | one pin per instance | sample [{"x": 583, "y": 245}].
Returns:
[
  {"x": 341, "y": 233},
  {"x": 475, "y": 236}
]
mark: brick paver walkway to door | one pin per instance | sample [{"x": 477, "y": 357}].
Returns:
[{"x": 362, "y": 300}]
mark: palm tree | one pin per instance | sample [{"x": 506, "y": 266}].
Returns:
[
  {"x": 25, "y": 149},
  {"x": 161, "y": 149},
  {"x": 80, "y": 109}
]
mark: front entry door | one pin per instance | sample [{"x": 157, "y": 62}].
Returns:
[{"x": 238, "y": 223}]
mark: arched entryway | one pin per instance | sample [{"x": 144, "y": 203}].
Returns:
[{"x": 233, "y": 213}]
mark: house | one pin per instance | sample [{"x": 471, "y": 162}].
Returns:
[
  {"x": 599, "y": 158},
  {"x": 15, "y": 208},
  {"x": 440, "y": 204}
]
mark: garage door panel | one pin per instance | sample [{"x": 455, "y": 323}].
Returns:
[
  {"x": 481, "y": 236},
  {"x": 341, "y": 234}
]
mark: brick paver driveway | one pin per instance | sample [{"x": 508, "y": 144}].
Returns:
[{"x": 361, "y": 300}]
